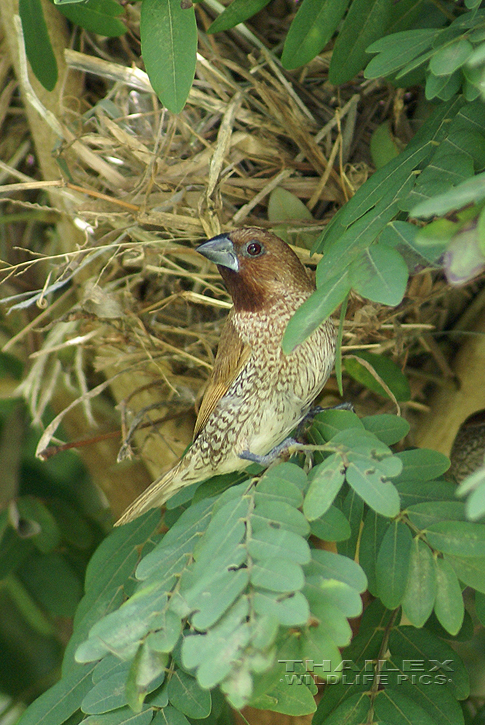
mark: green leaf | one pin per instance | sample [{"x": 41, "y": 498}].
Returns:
[
  {"x": 464, "y": 634},
  {"x": 169, "y": 716},
  {"x": 147, "y": 673},
  {"x": 480, "y": 606},
  {"x": 385, "y": 368},
  {"x": 106, "y": 695},
  {"x": 237, "y": 12},
  {"x": 331, "y": 618},
  {"x": 380, "y": 274},
  {"x": 13, "y": 551},
  {"x": 331, "y": 422},
  {"x": 341, "y": 595},
  {"x": 186, "y": 695},
  {"x": 421, "y": 644},
  {"x": 214, "y": 654},
  {"x": 277, "y": 514},
  {"x": 370, "y": 484},
  {"x": 291, "y": 610},
  {"x": 178, "y": 541},
  {"x": 277, "y": 575},
  {"x": 352, "y": 711},
  {"x": 269, "y": 543},
  {"x": 388, "y": 428},
  {"x": 341, "y": 251},
  {"x": 333, "y": 566},
  {"x": 437, "y": 235},
  {"x": 314, "y": 311},
  {"x": 289, "y": 696},
  {"x": 377, "y": 201},
  {"x": 108, "y": 572},
  {"x": 108, "y": 666},
  {"x": 455, "y": 159},
  {"x": 422, "y": 515},
  {"x": 413, "y": 492},
  {"x": 278, "y": 476},
  {"x": 122, "y": 716},
  {"x": 326, "y": 480},
  {"x": 49, "y": 535},
  {"x": 435, "y": 699},
  {"x": 317, "y": 645},
  {"x": 471, "y": 190},
  {"x": 450, "y": 57},
  {"x": 212, "y": 595},
  {"x": 96, "y": 16},
  {"x": 397, "y": 50},
  {"x": 283, "y": 206},
  {"x": 353, "y": 510},
  {"x": 384, "y": 146},
  {"x": 74, "y": 528},
  {"x": 406, "y": 238},
  {"x": 393, "y": 562},
  {"x": 478, "y": 55},
  {"x": 422, "y": 464},
  {"x": 273, "y": 488},
  {"x": 459, "y": 538},
  {"x": 420, "y": 593},
  {"x": 37, "y": 43},
  {"x": 61, "y": 701},
  {"x": 331, "y": 526},
  {"x": 471, "y": 571},
  {"x": 449, "y": 607},
  {"x": 53, "y": 583},
  {"x": 168, "y": 631},
  {"x": 442, "y": 87},
  {"x": 373, "y": 532},
  {"x": 395, "y": 707},
  {"x": 387, "y": 184},
  {"x": 225, "y": 531},
  {"x": 363, "y": 25},
  {"x": 475, "y": 503},
  {"x": 310, "y": 31},
  {"x": 169, "y": 45}
]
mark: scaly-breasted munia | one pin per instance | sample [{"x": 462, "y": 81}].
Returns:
[
  {"x": 257, "y": 395},
  {"x": 468, "y": 450}
]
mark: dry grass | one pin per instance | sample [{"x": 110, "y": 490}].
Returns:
[{"x": 145, "y": 185}]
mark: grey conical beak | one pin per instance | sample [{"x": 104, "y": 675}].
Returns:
[{"x": 220, "y": 250}]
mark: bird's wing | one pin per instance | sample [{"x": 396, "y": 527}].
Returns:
[{"x": 232, "y": 355}]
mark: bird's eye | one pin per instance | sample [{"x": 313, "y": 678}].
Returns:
[{"x": 254, "y": 249}]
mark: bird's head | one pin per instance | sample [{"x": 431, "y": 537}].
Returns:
[{"x": 257, "y": 267}]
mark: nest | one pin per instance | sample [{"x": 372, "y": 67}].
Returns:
[{"x": 134, "y": 309}]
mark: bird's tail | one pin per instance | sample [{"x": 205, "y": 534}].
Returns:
[{"x": 158, "y": 492}]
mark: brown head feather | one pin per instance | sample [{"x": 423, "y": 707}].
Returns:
[{"x": 273, "y": 273}]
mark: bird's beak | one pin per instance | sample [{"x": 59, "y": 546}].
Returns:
[{"x": 220, "y": 250}]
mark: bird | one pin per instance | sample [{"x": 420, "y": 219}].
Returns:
[
  {"x": 468, "y": 450},
  {"x": 257, "y": 394}
]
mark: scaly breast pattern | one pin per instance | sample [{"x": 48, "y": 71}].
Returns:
[{"x": 271, "y": 394}]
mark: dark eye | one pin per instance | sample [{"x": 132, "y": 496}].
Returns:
[{"x": 254, "y": 248}]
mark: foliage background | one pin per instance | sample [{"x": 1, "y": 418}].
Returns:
[{"x": 270, "y": 596}]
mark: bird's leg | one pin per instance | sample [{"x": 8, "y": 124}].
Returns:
[
  {"x": 270, "y": 457},
  {"x": 284, "y": 447}
]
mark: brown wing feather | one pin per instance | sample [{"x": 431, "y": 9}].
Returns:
[{"x": 232, "y": 354}]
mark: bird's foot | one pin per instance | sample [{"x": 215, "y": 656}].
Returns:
[
  {"x": 318, "y": 409},
  {"x": 270, "y": 457},
  {"x": 288, "y": 443}
]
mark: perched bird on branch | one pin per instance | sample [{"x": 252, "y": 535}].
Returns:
[{"x": 257, "y": 395}]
